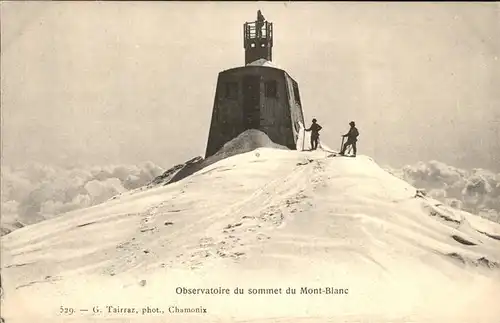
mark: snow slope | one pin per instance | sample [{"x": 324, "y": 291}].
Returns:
[{"x": 268, "y": 218}]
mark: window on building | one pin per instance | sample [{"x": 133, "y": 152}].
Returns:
[
  {"x": 231, "y": 90},
  {"x": 271, "y": 89}
]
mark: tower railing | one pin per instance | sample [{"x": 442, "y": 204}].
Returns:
[{"x": 251, "y": 32}]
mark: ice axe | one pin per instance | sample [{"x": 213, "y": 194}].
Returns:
[{"x": 342, "y": 146}]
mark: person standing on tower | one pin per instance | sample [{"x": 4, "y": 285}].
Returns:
[
  {"x": 314, "y": 128},
  {"x": 352, "y": 138},
  {"x": 259, "y": 24}
]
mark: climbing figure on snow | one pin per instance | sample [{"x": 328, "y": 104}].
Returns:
[
  {"x": 314, "y": 128},
  {"x": 352, "y": 138}
]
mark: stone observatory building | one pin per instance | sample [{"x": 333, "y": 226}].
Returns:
[{"x": 258, "y": 95}]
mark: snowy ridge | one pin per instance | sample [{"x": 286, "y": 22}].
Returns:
[
  {"x": 261, "y": 219},
  {"x": 175, "y": 173},
  {"x": 10, "y": 225}
]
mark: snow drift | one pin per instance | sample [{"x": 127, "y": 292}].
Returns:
[
  {"x": 266, "y": 220},
  {"x": 246, "y": 141}
]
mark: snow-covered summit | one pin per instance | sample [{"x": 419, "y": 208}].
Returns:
[{"x": 261, "y": 219}]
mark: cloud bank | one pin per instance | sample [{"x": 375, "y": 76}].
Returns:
[
  {"x": 35, "y": 192},
  {"x": 476, "y": 191}
]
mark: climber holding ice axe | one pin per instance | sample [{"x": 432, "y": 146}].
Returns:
[
  {"x": 314, "y": 128},
  {"x": 352, "y": 138}
]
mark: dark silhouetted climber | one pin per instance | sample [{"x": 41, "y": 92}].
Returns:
[
  {"x": 352, "y": 138},
  {"x": 314, "y": 128},
  {"x": 259, "y": 24}
]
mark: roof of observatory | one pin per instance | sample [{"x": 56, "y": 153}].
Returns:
[
  {"x": 263, "y": 62},
  {"x": 258, "y": 63}
]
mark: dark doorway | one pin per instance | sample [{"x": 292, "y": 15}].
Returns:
[{"x": 251, "y": 101}]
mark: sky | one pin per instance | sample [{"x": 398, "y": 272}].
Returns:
[{"x": 128, "y": 82}]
